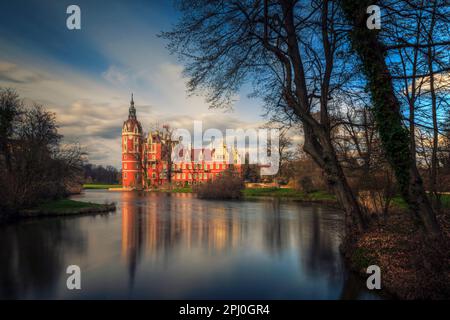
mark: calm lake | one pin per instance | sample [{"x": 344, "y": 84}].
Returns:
[{"x": 174, "y": 246}]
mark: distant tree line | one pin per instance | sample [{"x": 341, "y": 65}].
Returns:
[
  {"x": 100, "y": 174},
  {"x": 35, "y": 165}
]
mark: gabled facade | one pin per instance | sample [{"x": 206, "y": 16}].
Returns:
[{"x": 146, "y": 160}]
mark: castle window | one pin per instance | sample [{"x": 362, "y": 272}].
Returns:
[
  {"x": 125, "y": 166},
  {"x": 125, "y": 175}
]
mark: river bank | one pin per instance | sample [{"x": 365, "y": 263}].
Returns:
[
  {"x": 321, "y": 197},
  {"x": 412, "y": 265},
  {"x": 61, "y": 207}
]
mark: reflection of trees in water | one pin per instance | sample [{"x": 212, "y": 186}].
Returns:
[
  {"x": 32, "y": 256},
  {"x": 353, "y": 287},
  {"x": 319, "y": 243},
  {"x": 319, "y": 237},
  {"x": 316, "y": 241},
  {"x": 276, "y": 231}
]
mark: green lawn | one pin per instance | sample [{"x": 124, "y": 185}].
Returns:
[
  {"x": 400, "y": 202},
  {"x": 101, "y": 186},
  {"x": 288, "y": 193},
  {"x": 63, "y": 205},
  {"x": 180, "y": 190}
]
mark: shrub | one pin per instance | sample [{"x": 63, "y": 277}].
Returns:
[
  {"x": 228, "y": 185},
  {"x": 306, "y": 184}
]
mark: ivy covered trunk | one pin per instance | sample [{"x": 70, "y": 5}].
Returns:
[{"x": 386, "y": 107}]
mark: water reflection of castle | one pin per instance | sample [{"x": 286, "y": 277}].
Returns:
[
  {"x": 161, "y": 230},
  {"x": 164, "y": 225}
]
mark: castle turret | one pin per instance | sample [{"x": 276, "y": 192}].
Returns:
[{"x": 132, "y": 150}]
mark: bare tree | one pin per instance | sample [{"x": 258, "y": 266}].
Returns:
[
  {"x": 294, "y": 53},
  {"x": 372, "y": 47},
  {"x": 40, "y": 166},
  {"x": 167, "y": 147}
]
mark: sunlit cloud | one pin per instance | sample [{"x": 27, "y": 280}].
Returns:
[{"x": 90, "y": 99}]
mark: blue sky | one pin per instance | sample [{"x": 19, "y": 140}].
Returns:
[{"x": 86, "y": 76}]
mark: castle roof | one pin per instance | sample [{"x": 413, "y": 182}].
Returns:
[{"x": 132, "y": 124}]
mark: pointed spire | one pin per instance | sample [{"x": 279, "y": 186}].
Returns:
[{"x": 132, "y": 110}]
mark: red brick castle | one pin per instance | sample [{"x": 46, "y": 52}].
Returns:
[{"x": 146, "y": 161}]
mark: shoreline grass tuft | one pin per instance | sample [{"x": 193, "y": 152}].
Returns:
[{"x": 66, "y": 207}]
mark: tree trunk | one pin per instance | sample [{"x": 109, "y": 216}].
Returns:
[
  {"x": 394, "y": 136},
  {"x": 434, "y": 161},
  {"x": 325, "y": 157}
]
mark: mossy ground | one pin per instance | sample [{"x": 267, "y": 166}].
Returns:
[{"x": 412, "y": 265}]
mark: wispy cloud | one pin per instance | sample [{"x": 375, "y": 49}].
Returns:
[{"x": 115, "y": 76}]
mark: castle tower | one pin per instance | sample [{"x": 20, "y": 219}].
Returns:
[{"x": 132, "y": 150}]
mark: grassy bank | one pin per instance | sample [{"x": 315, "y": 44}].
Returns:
[
  {"x": 399, "y": 202},
  {"x": 100, "y": 186},
  {"x": 283, "y": 193},
  {"x": 177, "y": 190},
  {"x": 63, "y": 207},
  {"x": 289, "y": 193}
]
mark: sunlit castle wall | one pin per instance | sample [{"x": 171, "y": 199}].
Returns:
[{"x": 132, "y": 151}]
